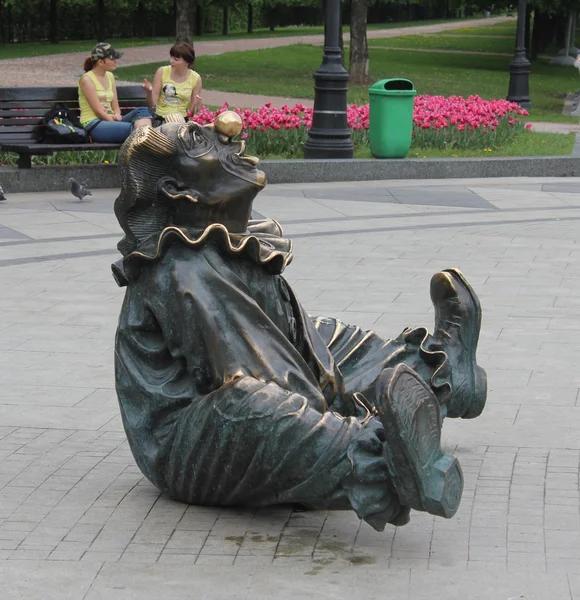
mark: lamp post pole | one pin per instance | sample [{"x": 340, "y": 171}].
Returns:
[
  {"x": 329, "y": 136},
  {"x": 519, "y": 89}
]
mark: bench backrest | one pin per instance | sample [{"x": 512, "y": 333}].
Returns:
[{"x": 22, "y": 109}]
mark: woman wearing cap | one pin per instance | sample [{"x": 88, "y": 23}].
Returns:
[
  {"x": 177, "y": 86},
  {"x": 100, "y": 112}
]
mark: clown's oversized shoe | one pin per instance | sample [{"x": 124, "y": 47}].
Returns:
[
  {"x": 424, "y": 477},
  {"x": 457, "y": 326}
]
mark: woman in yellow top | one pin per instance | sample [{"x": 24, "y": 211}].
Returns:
[
  {"x": 177, "y": 86},
  {"x": 100, "y": 112}
]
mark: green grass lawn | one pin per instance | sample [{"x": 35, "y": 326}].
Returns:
[
  {"x": 457, "y": 43},
  {"x": 449, "y": 42},
  {"x": 528, "y": 144},
  {"x": 505, "y": 28},
  {"x": 45, "y": 49},
  {"x": 288, "y": 72}
]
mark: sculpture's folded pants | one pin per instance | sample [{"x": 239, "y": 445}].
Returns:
[{"x": 257, "y": 444}]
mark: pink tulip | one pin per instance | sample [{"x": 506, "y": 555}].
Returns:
[{"x": 440, "y": 121}]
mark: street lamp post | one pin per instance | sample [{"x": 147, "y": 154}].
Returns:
[
  {"x": 519, "y": 90},
  {"x": 329, "y": 136}
]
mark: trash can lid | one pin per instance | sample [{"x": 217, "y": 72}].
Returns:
[{"x": 393, "y": 86}]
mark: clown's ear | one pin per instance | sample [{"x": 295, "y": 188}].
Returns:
[{"x": 176, "y": 191}]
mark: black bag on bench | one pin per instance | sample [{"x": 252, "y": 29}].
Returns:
[{"x": 61, "y": 126}]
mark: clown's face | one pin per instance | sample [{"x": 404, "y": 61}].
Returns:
[{"x": 216, "y": 181}]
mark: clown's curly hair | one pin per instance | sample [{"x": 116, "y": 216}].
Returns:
[{"x": 144, "y": 159}]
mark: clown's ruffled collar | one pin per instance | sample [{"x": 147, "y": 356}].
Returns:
[{"x": 262, "y": 243}]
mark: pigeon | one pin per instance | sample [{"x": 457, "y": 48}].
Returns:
[
  {"x": 2, "y": 196},
  {"x": 78, "y": 189}
]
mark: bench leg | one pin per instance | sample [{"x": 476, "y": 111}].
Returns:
[{"x": 24, "y": 161}]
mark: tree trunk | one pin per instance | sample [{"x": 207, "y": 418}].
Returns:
[
  {"x": 175, "y": 15},
  {"x": 4, "y": 23},
  {"x": 341, "y": 36},
  {"x": 250, "y": 18},
  {"x": 137, "y": 24},
  {"x": 101, "y": 21},
  {"x": 359, "y": 50},
  {"x": 561, "y": 30},
  {"x": 270, "y": 17},
  {"x": 10, "y": 28},
  {"x": 528, "y": 30},
  {"x": 53, "y": 21},
  {"x": 184, "y": 14},
  {"x": 543, "y": 32},
  {"x": 198, "y": 20},
  {"x": 226, "y": 21},
  {"x": 535, "y": 42},
  {"x": 341, "y": 41}
]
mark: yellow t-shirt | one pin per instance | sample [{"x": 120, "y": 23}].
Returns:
[
  {"x": 105, "y": 98},
  {"x": 175, "y": 97}
]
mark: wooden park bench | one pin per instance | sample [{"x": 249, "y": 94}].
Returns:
[{"x": 22, "y": 110}]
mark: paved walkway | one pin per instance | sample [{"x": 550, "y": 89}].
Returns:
[
  {"x": 556, "y": 127},
  {"x": 79, "y": 522}
]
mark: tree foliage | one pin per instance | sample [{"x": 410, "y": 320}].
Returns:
[{"x": 30, "y": 20}]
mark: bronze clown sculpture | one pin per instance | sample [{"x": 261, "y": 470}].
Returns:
[{"x": 230, "y": 393}]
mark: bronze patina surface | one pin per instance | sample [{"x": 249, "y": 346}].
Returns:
[{"x": 230, "y": 393}]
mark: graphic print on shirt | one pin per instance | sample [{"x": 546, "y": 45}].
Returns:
[
  {"x": 170, "y": 93},
  {"x": 102, "y": 96}
]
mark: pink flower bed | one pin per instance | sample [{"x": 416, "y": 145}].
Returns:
[
  {"x": 439, "y": 112},
  {"x": 438, "y": 121}
]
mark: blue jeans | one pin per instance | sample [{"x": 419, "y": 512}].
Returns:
[{"x": 115, "y": 132}]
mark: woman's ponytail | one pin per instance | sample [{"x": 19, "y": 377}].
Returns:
[{"x": 89, "y": 64}]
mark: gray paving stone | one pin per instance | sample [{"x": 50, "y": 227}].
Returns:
[
  {"x": 45, "y": 580},
  {"x": 195, "y": 541},
  {"x": 171, "y": 558},
  {"x": 72, "y": 499},
  {"x": 574, "y": 582},
  {"x": 10, "y": 234}
]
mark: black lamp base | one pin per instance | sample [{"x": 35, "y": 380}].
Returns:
[
  {"x": 320, "y": 145},
  {"x": 519, "y": 88}
]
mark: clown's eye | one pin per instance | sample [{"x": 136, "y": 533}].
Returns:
[
  {"x": 193, "y": 139},
  {"x": 198, "y": 139}
]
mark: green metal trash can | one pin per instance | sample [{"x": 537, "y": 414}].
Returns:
[{"x": 391, "y": 117}]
